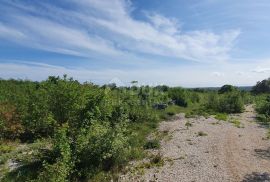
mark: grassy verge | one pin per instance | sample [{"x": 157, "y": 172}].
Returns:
[
  {"x": 172, "y": 110},
  {"x": 237, "y": 123},
  {"x": 221, "y": 116},
  {"x": 268, "y": 134}
]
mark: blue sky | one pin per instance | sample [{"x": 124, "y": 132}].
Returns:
[{"x": 177, "y": 42}]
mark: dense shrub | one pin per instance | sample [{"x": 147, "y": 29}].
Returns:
[
  {"x": 231, "y": 102},
  {"x": 10, "y": 122},
  {"x": 226, "y": 89},
  {"x": 90, "y": 125},
  {"x": 263, "y": 109},
  {"x": 262, "y": 87},
  {"x": 179, "y": 96}
]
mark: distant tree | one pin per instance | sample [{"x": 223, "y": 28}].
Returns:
[
  {"x": 262, "y": 87},
  {"x": 226, "y": 88},
  {"x": 163, "y": 88},
  {"x": 112, "y": 85}
]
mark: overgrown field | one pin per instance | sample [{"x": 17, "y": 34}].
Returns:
[{"x": 62, "y": 130}]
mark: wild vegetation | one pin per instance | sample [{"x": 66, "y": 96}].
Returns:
[
  {"x": 262, "y": 87},
  {"x": 63, "y": 130},
  {"x": 262, "y": 92}
]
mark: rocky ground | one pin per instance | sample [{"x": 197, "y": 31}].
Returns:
[{"x": 209, "y": 151}]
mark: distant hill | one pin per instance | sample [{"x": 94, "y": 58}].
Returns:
[{"x": 244, "y": 88}]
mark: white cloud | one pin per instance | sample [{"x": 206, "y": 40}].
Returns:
[
  {"x": 217, "y": 74},
  {"x": 108, "y": 27},
  {"x": 162, "y": 36},
  {"x": 240, "y": 73},
  {"x": 261, "y": 70}
]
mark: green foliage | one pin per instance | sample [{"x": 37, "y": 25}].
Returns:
[
  {"x": 170, "y": 111},
  {"x": 6, "y": 148},
  {"x": 221, "y": 116},
  {"x": 237, "y": 123},
  {"x": 90, "y": 131},
  {"x": 10, "y": 122},
  {"x": 262, "y": 87},
  {"x": 263, "y": 109},
  {"x": 60, "y": 170},
  {"x": 231, "y": 102},
  {"x": 226, "y": 89},
  {"x": 152, "y": 144},
  {"x": 201, "y": 111},
  {"x": 92, "y": 128},
  {"x": 179, "y": 96}
]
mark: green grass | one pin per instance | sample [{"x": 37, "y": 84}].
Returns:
[
  {"x": 6, "y": 148},
  {"x": 236, "y": 123},
  {"x": 172, "y": 110},
  {"x": 268, "y": 134},
  {"x": 140, "y": 131},
  {"x": 197, "y": 110},
  {"x": 263, "y": 119},
  {"x": 191, "y": 110},
  {"x": 221, "y": 116},
  {"x": 27, "y": 155}
]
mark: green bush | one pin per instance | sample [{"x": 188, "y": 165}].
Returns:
[
  {"x": 152, "y": 144},
  {"x": 237, "y": 123},
  {"x": 179, "y": 96},
  {"x": 263, "y": 109},
  {"x": 262, "y": 87},
  {"x": 231, "y": 102},
  {"x": 226, "y": 89}
]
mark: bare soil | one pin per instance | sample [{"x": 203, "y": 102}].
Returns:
[{"x": 210, "y": 151}]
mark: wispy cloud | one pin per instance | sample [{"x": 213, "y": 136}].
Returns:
[
  {"x": 108, "y": 28},
  {"x": 9, "y": 32},
  {"x": 174, "y": 76}
]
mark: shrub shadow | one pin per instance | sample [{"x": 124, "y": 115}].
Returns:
[
  {"x": 263, "y": 153},
  {"x": 257, "y": 177}
]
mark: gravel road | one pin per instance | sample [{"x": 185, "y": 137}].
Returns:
[{"x": 225, "y": 154}]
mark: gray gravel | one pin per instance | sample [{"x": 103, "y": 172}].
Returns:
[{"x": 226, "y": 154}]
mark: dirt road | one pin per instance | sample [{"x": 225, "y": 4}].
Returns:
[{"x": 212, "y": 151}]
